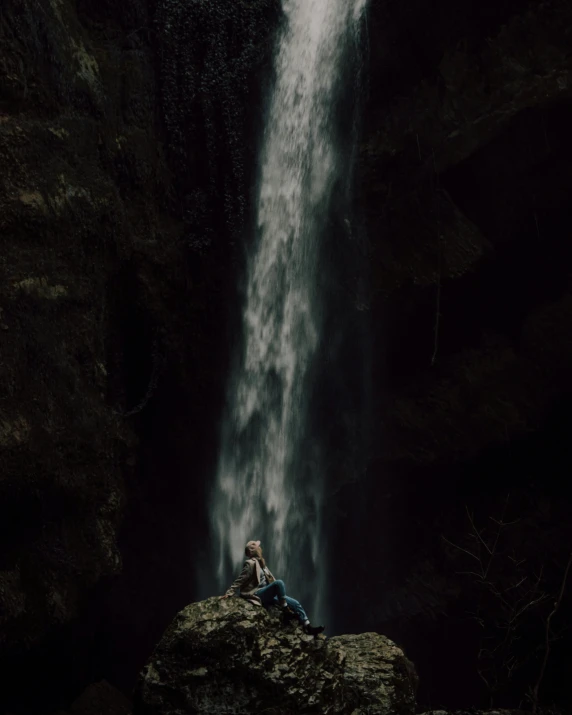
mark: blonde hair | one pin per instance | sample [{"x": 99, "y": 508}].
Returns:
[{"x": 255, "y": 553}]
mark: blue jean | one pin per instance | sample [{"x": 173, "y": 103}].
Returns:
[{"x": 275, "y": 592}]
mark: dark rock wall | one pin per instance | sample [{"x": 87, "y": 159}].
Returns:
[
  {"x": 210, "y": 61},
  {"x": 464, "y": 180},
  {"x": 66, "y": 229},
  {"x": 126, "y": 137}
]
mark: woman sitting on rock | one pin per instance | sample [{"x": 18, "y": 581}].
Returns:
[{"x": 258, "y": 585}]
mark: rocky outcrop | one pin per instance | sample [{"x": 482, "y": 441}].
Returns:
[{"x": 230, "y": 656}]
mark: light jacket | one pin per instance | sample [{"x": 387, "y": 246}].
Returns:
[{"x": 249, "y": 581}]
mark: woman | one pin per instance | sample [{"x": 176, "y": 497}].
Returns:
[{"x": 258, "y": 585}]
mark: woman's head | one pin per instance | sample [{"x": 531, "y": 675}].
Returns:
[{"x": 252, "y": 548}]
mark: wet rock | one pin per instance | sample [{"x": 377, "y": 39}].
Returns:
[{"x": 229, "y": 656}]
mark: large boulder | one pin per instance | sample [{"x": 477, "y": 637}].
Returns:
[{"x": 230, "y": 656}]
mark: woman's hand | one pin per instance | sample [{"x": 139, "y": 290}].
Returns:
[{"x": 226, "y": 595}]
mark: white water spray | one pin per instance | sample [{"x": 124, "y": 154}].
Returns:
[{"x": 265, "y": 488}]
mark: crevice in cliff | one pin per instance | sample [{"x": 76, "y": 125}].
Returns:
[{"x": 132, "y": 355}]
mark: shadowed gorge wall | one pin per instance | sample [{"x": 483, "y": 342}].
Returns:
[
  {"x": 464, "y": 181},
  {"x": 114, "y": 315}
]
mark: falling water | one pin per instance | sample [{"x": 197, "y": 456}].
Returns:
[{"x": 265, "y": 488}]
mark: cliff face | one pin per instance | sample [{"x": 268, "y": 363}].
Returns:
[
  {"x": 125, "y": 141},
  {"x": 463, "y": 181},
  {"x": 464, "y": 177},
  {"x": 461, "y": 192},
  {"x": 75, "y": 123}
]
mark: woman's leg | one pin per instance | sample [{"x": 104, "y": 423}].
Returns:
[
  {"x": 274, "y": 591},
  {"x": 296, "y": 606}
]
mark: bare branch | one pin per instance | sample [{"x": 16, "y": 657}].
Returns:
[
  {"x": 519, "y": 613},
  {"x": 472, "y": 573},
  {"x": 516, "y": 561},
  {"x": 547, "y": 641},
  {"x": 455, "y": 546},
  {"x": 476, "y": 532},
  {"x": 498, "y": 534},
  {"x": 538, "y": 580},
  {"x": 504, "y": 523},
  {"x": 516, "y": 585}
]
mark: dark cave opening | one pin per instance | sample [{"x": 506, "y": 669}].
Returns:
[{"x": 132, "y": 347}]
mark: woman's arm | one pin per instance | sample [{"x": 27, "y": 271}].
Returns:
[{"x": 244, "y": 577}]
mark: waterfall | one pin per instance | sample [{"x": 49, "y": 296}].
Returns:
[{"x": 265, "y": 487}]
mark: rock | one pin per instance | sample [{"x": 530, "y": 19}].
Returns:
[{"x": 234, "y": 657}]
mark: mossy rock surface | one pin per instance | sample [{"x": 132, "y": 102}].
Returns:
[{"x": 229, "y": 656}]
